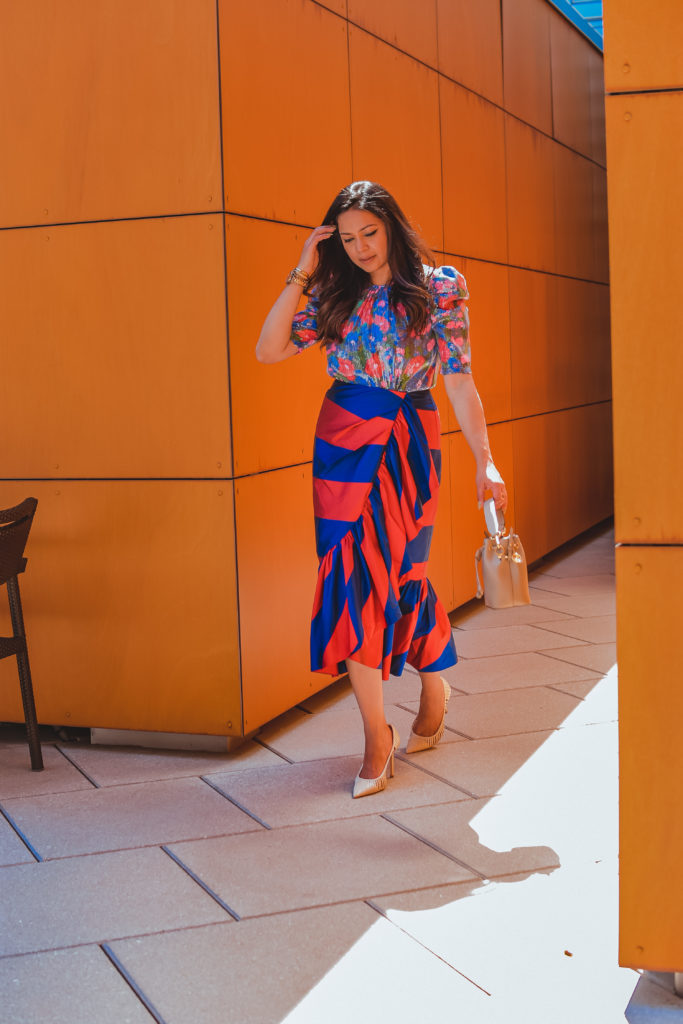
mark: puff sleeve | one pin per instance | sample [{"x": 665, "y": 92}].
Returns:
[
  {"x": 305, "y": 324},
  {"x": 450, "y": 319}
]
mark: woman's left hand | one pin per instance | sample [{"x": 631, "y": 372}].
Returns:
[{"x": 489, "y": 479}]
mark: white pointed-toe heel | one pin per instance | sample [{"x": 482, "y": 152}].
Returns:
[
  {"x": 364, "y": 787},
  {"x": 417, "y": 742}
]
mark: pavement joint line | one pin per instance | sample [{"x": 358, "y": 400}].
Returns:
[
  {"x": 440, "y": 778},
  {"x": 132, "y": 983},
  {"x": 25, "y": 840},
  {"x": 434, "y": 846},
  {"x": 558, "y": 688},
  {"x": 78, "y": 767},
  {"x": 195, "y": 878},
  {"x": 273, "y": 750},
  {"x": 428, "y": 949},
  {"x": 355, "y": 899},
  {"x": 459, "y": 732},
  {"x": 90, "y": 943},
  {"x": 328, "y": 821},
  {"x": 236, "y": 803},
  {"x": 132, "y": 849},
  {"x": 563, "y": 661}
]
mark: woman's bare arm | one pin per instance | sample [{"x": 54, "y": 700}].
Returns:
[
  {"x": 469, "y": 411},
  {"x": 273, "y": 344}
]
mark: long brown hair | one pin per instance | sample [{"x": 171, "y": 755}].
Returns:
[{"x": 338, "y": 282}]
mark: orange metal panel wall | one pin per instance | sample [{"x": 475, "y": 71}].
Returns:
[
  {"x": 645, "y": 168},
  {"x": 571, "y": 452},
  {"x": 643, "y": 52},
  {"x": 395, "y": 129},
  {"x": 465, "y": 32},
  {"x": 166, "y": 164},
  {"x": 117, "y": 341},
  {"x": 651, "y": 756},
  {"x": 130, "y": 605},
  {"x": 285, "y": 104},
  {"x": 114, "y": 109},
  {"x": 526, "y": 61},
  {"x": 474, "y": 185},
  {"x": 645, "y": 143}
]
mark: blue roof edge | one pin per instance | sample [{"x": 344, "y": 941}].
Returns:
[{"x": 583, "y": 26}]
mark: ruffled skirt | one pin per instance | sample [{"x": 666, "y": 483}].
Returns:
[{"x": 376, "y": 473}]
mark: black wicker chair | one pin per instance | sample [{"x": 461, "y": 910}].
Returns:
[{"x": 15, "y": 524}]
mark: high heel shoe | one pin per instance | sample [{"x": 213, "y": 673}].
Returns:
[
  {"x": 417, "y": 742},
  {"x": 364, "y": 787}
]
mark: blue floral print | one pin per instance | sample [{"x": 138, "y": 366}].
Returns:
[{"x": 377, "y": 349}]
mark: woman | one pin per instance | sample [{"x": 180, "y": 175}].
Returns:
[{"x": 388, "y": 321}]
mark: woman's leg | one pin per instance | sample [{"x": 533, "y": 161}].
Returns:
[
  {"x": 367, "y": 687},
  {"x": 431, "y": 704}
]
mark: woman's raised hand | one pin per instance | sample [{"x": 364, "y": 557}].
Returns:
[{"x": 308, "y": 260}]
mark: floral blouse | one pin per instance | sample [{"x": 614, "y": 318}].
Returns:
[{"x": 376, "y": 348}]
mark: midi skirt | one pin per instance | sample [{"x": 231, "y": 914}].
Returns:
[{"x": 376, "y": 474}]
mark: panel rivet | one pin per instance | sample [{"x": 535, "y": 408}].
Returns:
[
  {"x": 626, "y": 68},
  {"x": 628, "y": 115},
  {"x": 636, "y": 520},
  {"x": 637, "y": 568}
]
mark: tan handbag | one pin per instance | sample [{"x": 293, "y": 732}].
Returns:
[{"x": 503, "y": 564}]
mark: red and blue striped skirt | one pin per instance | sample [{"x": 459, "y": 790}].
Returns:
[{"x": 376, "y": 473}]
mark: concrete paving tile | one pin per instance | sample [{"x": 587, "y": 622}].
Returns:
[
  {"x": 564, "y": 796},
  {"x": 122, "y": 817},
  {"x": 480, "y": 767},
  {"x": 481, "y": 617},
  {"x": 331, "y": 964},
  {"x": 599, "y": 705},
  {"x": 598, "y": 629},
  {"x": 93, "y": 899},
  {"x": 12, "y": 850},
  {"x": 508, "y": 711},
  {"x": 576, "y": 586},
  {"x": 67, "y": 986},
  {"x": 112, "y": 766},
  {"x": 483, "y": 643},
  {"x": 577, "y": 566},
  {"x": 17, "y": 779},
  {"x": 581, "y": 606},
  {"x": 307, "y": 865},
  {"x": 320, "y": 791},
  {"x": 510, "y": 671},
  {"x": 597, "y": 657},
  {"x": 449, "y": 828},
  {"x": 544, "y": 946},
  {"x": 334, "y": 733},
  {"x": 579, "y": 689}
]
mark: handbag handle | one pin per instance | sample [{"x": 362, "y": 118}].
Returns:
[{"x": 477, "y": 559}]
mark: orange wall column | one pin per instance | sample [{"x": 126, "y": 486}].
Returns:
[{"x": 644, "y": 82}]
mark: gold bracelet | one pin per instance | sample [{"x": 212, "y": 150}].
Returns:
[{"x": 298, "y": 277}]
